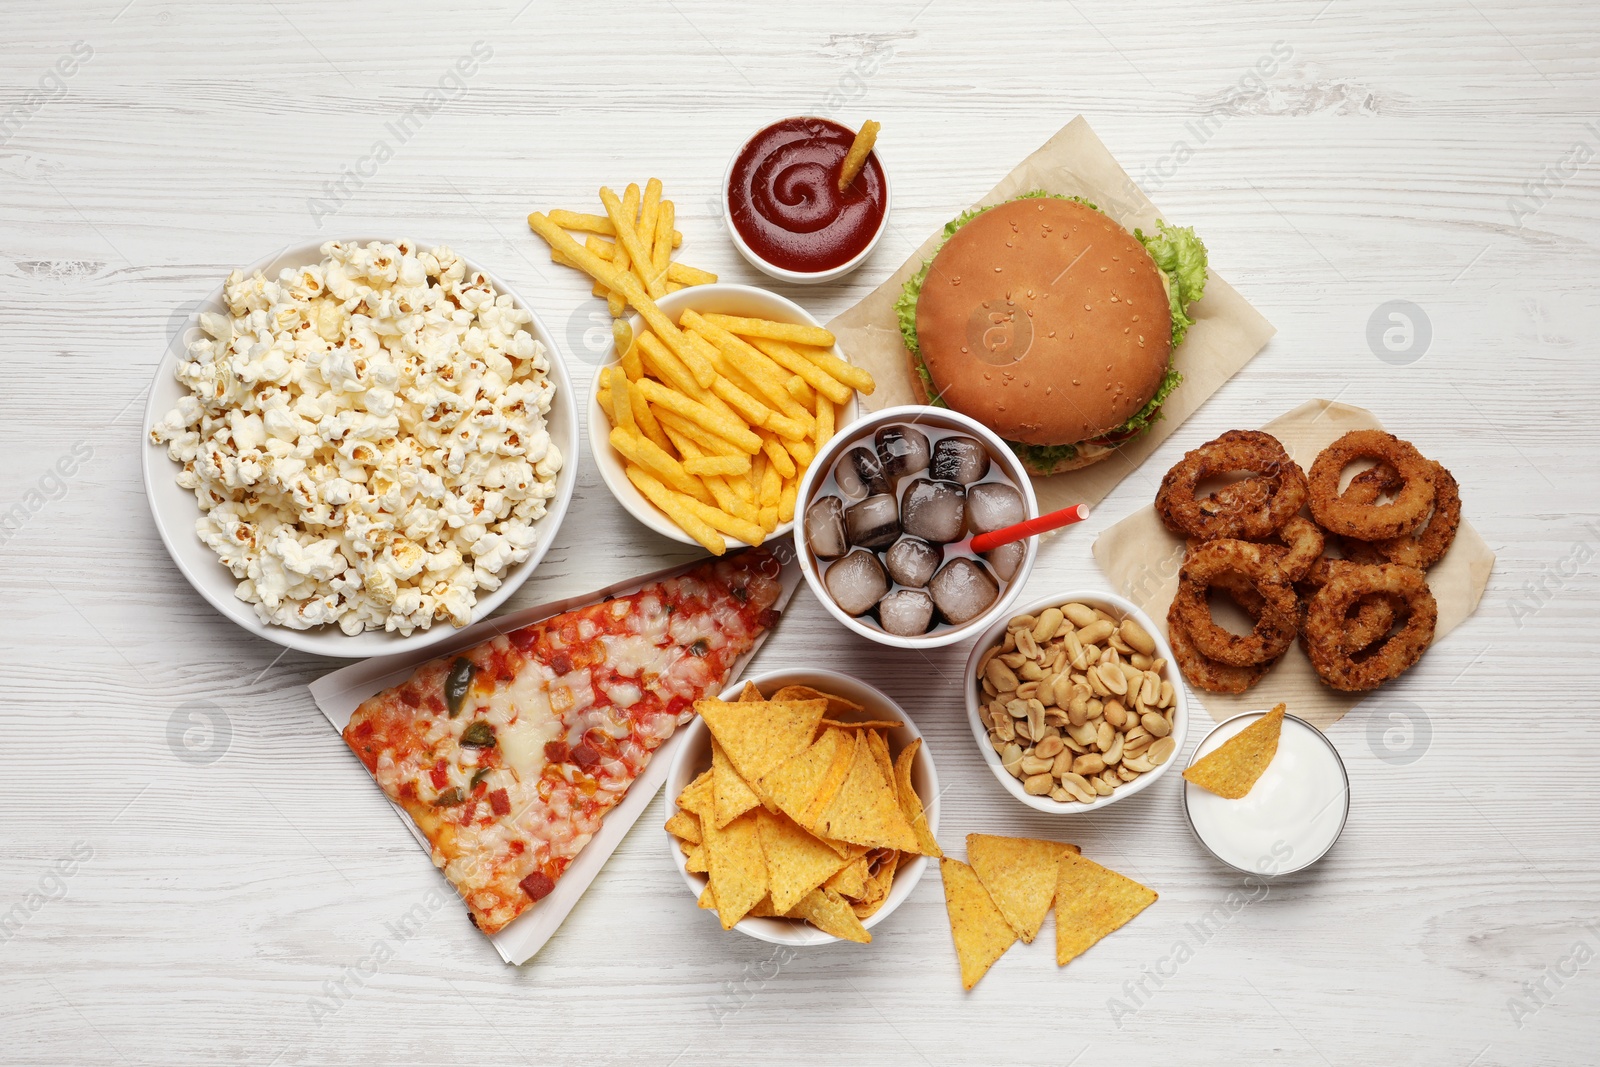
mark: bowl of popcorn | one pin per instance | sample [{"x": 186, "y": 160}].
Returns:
[
  {"x": 1075, "y": 702},
  {"x": 361, "y": 446}
]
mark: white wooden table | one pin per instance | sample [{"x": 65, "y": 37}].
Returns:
[{"x": 237, "y": 896}]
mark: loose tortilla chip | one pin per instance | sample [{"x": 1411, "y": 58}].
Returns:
[
  {"x": 911, "y": 804},
  {"x": 805, "y": 785},
  {"x": 737, "y": 869},
  {"x": 1020, "y": 874},
  {"x": 831, "y": 913},
  {"x": 796, "y": 862},
  {"x": 731, "y": 796},
  {"x": 750, "y": 693},
  {"x": 1232, "y": 770},
  {"x": 696, "y": 796},
  {"x": 866, "y": 810},
  {"x": 864, "y": 724},
  {"x": 837, "y": 705},
  {"x": 695, "y": 861},
  {"x": 981, "y": 933},
  {"x": 850, "y": 881},
  {"x": 1091, "y": 902},
  {"x": 685, "y": 826},
  {"x": 760, "y": 735}
]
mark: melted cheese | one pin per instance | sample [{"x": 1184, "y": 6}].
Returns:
[
  {"x": 634, "y": 655},
  {"x": 523, "y": 722}
]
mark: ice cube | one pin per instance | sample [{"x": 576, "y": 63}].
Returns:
[
  {"x": 856, "y": 582},
  {"x": 873, "y": 522},
  {"x": 959, "y": 459},
  {"x": 912, "y": 561},
  {"x": 991, "y": 505},
  {"x": 933, "y": 511},
  {"x": 962, "y": 590},
  {"x": 859, "y": 473},
  {"x": 902, "y": 450},
  {"x": 906, "y": 612},
  {"x": 825, "y": 527},
  {"x": 1007, "y": 558}
]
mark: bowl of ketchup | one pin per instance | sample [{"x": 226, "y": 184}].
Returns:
[{"x": 783, "y": 206}]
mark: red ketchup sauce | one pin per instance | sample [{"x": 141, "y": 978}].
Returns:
[{"x": 785, "y": 201}]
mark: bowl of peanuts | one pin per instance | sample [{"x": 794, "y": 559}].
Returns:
[{"x": 1075, "y": 702}]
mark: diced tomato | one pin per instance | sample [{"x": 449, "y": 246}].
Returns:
[
  {"x": 439, "y": 775},
  {"x": 519, "y": 847},
  {"x": 676, "y": 705},
  {"x": 409, "y": 698},
  {"x": 500, "y": 802}
]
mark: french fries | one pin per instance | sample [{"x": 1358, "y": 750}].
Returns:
[{"x": 715, "y": 417}]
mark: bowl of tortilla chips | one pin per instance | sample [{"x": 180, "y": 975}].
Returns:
[{"x": 803, "y": 807}]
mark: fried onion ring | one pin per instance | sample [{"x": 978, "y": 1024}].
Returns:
[
  {"x": 1371, "y": 521},
  {"x": 1427, "y": 546},
  {"x": 1368, "y": 619},
  {"x": 1275, "y": 626},
  {"x": 1325, "y": 626},
  {"x": 1252, "y": 508},
  {"x": 1205, "y": 673}
]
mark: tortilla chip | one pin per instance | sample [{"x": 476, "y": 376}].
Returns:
[
  {"x": 1238, "y": 762},
  {"x": 864, "y": 724},
  {"x": 750, "y": 693},
  {"x": 879, "y": 880},
  {"x": 731, "y": 796},
  {"x": 981, "y": 933},
  {"x": 685, "y": 826},
  {"x": 837, "y": 705},
  {"x": 759, "y": 736},
  {"x": 695, "y": 861},
  {"x": 1020, "y": 874},
  {"x": 764, "y": 909},
  {"x": 806, "y": 784},
  {"x": 1092, "y": 901},
  {"x": 911, "y": 804},
  {"x": 850, "y": 880},
  {"x": 796, "y": 862},
  {"x": 878, "y": 744},
  {"x": 708, "y": 899},
  {"x": 830, "y": 913},
  {"x": 696, "y": 796},
  {"x": 733, "y": 854},
  {"x": 866, "y": 810}
]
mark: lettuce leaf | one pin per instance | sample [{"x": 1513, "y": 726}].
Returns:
[{"x": 1182, "y": 259}]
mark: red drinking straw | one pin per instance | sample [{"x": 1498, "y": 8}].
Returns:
[{"x": 1055, "y": 520}]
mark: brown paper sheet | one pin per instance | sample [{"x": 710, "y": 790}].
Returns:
[
  {"x": 1141, "y": 557},
  {"x": 1227, "y": 333}
]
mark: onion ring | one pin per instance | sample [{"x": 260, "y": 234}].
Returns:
[
  {"x": 1368, "y": 619},
  {"x": 1371, "y": 522},
  {"x": 1427, "y": 545},
  {"x": 1279, "y": 618},
  {"x": 1239, "y": 512},
  {"x": 1386, "y": 659},
  {"x": 1205, "y": 673}
]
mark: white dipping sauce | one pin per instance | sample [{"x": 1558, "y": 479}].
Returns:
[{"x": 1290, "y": 817}]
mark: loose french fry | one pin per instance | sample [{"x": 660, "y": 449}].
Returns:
[
  {"x": 616, "y": 303},
  {"x": 646, "y": 454},
  {"x": 769, "y": 518},
  {"x": 645, "y": 418},
  {"x": 585, "y": 260},
  {"x": 680, "y": 274},
  {"x": 621, "y": 337},
  {"x": 702, "y": 415},
  {"x": 671, "y": 503},
  {"x": 860, "y": 149},
  {"x": 786, "y": 500},
  {"x": 801, "y": 452},
  {"x": 621, "y": 413},
  {"x": 632, "y": 365},
  {"x": 778, "y": 456},
  {"x": 825, "y": 420},
  {"x": 687, "y": 275},
  {"x": 771, "y": 486},
  {"x": 729, "y": 500},
  {"x": 716, "y": 518},
  {"x": 628, "y": 242},
  {"x": 780, "y": 331},
  {"x": 853, "y": 376},
  {"x": 786, "y": 357},
  {"x": 675, "y": 426},
  {"x": 803, "y": 394},
  {"x": 661, "y": 253},
  {"x": 666, "y": 367},
  {"x": 586, "y": 223},
  {"x": 718, "y": 465},
  {"x": 602, "y": 396}
]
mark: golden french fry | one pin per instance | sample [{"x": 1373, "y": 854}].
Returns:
[
  {"x": 729, "y": 500},
  {"x": 768, "y": 379},
  {"x": 778, "y": 331},
  {"x": 744, "y": 529},
  {"x": 778, "y": 456},
  {"x": 717, "y": 465},
  {"x": 585, "y": 260},
  {"x": 860, "y": 148},
  {"x": 825, "y": 420},
  {"x": 661, "y": 252},
  {"x": 586, "y": 223},
  {"x": 758, "y": 474},
  {"x": 675, "y": 426},
  {"x": 632, "y": 365},
  {"x": 684, "y": 274},
  {"x": 622, "y": 338},
  {"x": 671, "y": 503},
  {"x": 703, "y": 416},
  {"x": 771, "y": 486},
  {"x": 628, "y": 239},
  {"x": 769, "y": 518},
  {"x": 801, "y": 452},
  {"x": 597, "y": 289},
  {"x": 680, "y": 274},
  {"x": 615, "y": 301},
  {"x": 602, "y": 396},
  {"x": 645, "y": 418},
  {"x": 853, "y": 376},
  {"x": 649, "y": 213},
  {"x": 621, "y": 413},
  {"x": 647, "y": 454},
  {"x": 803, "y": 394},
  {"x": 785, "y": 356},
  {"x": 786, "y": 500}
]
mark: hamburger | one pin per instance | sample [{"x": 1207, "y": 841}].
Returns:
[{"x": 1048, "y": 322}]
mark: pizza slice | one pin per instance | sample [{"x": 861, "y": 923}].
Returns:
[{"x": 508, "y": 755}]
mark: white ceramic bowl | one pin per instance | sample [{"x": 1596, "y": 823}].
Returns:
[
  {"x": 797, "y": 277},
  {"x": 694, "y": 756},
  {"x": 175, "y": 511},
  {"x": 1112, "y": 605},
  {"x": 715, "y": 299},
  {"x": 817, "y": 475}
]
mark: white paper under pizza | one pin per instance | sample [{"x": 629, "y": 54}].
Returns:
[{"x": 340, "y": 693}]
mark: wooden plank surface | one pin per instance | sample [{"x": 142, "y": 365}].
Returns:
[{"x": 262, "y": 906}]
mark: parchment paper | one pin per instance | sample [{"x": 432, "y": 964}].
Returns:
[
  {"x": 339, "y": 694},
  {"x": 1227, "y": 333},
  {"x": 1141, "y": 557}
]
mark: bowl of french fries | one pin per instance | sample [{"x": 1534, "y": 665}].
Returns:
[{"x": 713, "y": 408}]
